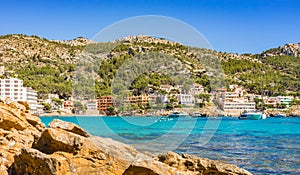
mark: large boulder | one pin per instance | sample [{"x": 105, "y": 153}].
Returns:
[
  {"x": 11, "y": 119},
  {"x": 68, "y": 126},
  {"x": 32, "y": 161},
  {"x": 91, "y": 155}
]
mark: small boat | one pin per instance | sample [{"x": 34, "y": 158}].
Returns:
[
  {"x": 279, "y": 115},
  {"x": 198, "y": 114},
  {"x": 252, "y": 116},
  {"x": 178, "y": 114}
]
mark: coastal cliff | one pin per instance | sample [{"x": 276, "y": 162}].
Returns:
[{"x": 28, "y": 147}]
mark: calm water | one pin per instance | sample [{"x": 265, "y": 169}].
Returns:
[{"x": 270, "y": 146}]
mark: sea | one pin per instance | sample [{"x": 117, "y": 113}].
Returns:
[{"x": 270, "y": 146}]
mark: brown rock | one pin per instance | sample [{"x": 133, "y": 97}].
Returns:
[
  {"x": 9, "y": 119},
  {"x": 25, "y": 104},
  {"x": 68, "y": 126},
  {"x": 34, "y": 162},
  {"x": 144, "y": 165},
  {"x": 137, "y": 170},
  {"x": 53, "y": 140},
  {"x": 93, "y": 155},
  {"x": 15, "y": 131},
  {"x": 200, "y": 165}
]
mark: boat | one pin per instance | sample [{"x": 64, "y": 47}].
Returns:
[
  {"x": 198, "y": 114},
  {"x": 177, "y": 114},
  {"x": 254, "y": 115},
  {"x": 279, "y": 115}
]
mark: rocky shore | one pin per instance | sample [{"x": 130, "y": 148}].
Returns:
[{"x": 28, "y": 147}]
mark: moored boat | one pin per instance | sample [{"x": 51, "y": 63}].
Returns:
[
  {"x": 252, "y": 116},
  {"x": 198, "y": 114},
  {"x": 177, "y": 114},
  {"x": 280, "y": 115}
]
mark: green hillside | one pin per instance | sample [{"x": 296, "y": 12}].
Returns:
[{"x": 50, "y": 66}]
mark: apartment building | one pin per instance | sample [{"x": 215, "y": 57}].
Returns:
[
  {"x": 235, "y": 108},
  {"x": 234, "y": 103},
  {"x": 140, "y": 100},
  {"x": 13, "y": 88},
  {"x": 31, "y": 98},
  {"x": 186, "y": 99},
  {"x": 105, "y": 102},
  {"x": 68, "y": 106},
  {"x": 92, "y": 107}
]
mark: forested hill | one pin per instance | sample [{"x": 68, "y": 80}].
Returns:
[{"x": 48, "y": 66}]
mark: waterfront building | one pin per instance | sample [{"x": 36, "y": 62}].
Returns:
[
  {"x": 185, "y": 99},
  {"x": 286, "y": 100},
  {"x": 68, "y": 106},
  {"x": 13, "y": 88},
  {"x": 235, "y": 108},
  {"x": 235, "y": 102},
  {"x": 279, "y": 100},
  {"x": 140, "y": 100},
  {"x": 92, "y": 107},
  {"x": 105, "y": 102},
  {"x": 39, "y": 109},
  {"x": 31, "y": 98}
]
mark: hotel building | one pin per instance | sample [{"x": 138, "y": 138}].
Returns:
[
  {"x": 105, "y": 102},
  {"x": 13, "y": 88},
  {"x": 234, "y": 103}
]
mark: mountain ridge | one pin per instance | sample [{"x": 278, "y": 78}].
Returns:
[{"x": 42, "y": 62}]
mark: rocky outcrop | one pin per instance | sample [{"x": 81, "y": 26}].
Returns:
[
  {"x": 79, "y": 41},
  {"x": 199, "y": 165},
  {"x": 287, "y": 49},
  {"x": 27, "y": 147},
  {"x": 18, "y": 129}
]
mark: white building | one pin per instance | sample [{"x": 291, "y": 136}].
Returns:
[
  {"x": 31, "y": 98},
  {"x": 186, "y": 99},
  {"x": 234, "y": 103},
  {"x": 13, "y": 88},
  {"x": 235, "y": 108},
  {"x": 92, "y": 107}
]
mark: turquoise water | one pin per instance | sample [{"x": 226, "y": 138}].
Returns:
[{"x": 270, "y": 146}]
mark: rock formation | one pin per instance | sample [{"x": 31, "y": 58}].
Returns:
[
  {"x": 28, "y": 147},
  {"x": 18, "y": 129}
]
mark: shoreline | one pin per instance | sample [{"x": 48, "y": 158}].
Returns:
[{"x": 145, "y": 116}]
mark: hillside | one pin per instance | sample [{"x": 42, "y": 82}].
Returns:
[
  {"x": 50, "y": 66},
  {"x": 43, "y": 64}
]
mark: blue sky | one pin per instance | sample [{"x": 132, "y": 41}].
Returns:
[{"x": 229, "y": 25}]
